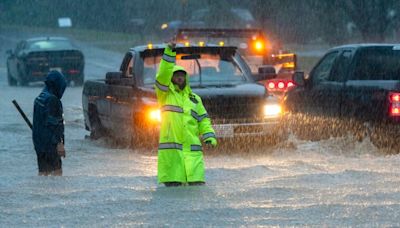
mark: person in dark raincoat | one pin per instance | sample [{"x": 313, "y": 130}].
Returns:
[
  {"x": 48, "y": 125},
  {"x": 184, "y": 119}
]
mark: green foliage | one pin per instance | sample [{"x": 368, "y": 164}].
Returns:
[{"x": 305, "y": 21}]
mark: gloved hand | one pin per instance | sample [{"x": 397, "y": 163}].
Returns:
[
  {"x": 172, "y": 45},
  {"x": 61, "y": 149},
  {"x": 211, "y": 141}
]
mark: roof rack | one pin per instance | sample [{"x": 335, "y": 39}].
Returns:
[{"x": 182, "y": 33}]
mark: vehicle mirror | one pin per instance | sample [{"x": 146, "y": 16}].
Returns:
[
  {"x": 298, "y": 78},
  {"x": 9, "y": 52},
  {"x": 113, "y": 77},
  {"x": 265, "y": 73}
]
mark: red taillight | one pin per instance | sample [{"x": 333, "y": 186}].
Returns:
[
  {"x": 281, "y": 85},
  {"x": 394, "y": 104},
  {"x": 271, "y": 85},
  {"x": 395, "y": 97},
  {"x": 72, "y": 71}
]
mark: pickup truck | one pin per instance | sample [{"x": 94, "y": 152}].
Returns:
[
  {"x": 124, "y": 105},
  {"x": 353, "y": 88}
]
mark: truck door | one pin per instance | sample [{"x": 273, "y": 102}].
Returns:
[
  {"x": 121, "y": 109},
  {"x": 321, "y": 95},
  {"x": 336, "y": 80}
]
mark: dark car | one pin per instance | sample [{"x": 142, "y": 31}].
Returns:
[
  {"x": 124, "y": 105},
  {"x": 33, "y": 58}
]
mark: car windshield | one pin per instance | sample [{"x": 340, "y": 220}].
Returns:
[
  {"x": 203, "y": 69},
  {"x": 378, "y": 64},
  {"x": 49, "y": 44}
]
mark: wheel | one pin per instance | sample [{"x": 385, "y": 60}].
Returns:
[
  {"x": 11, "y": 81},
  {"x": 141, "y": 140},
  {"x": 96, "y": 129},
  {"x": 79, "y": 81},
  {"x": 385, "y": 137},
  {"x": 21, "y": 80}
]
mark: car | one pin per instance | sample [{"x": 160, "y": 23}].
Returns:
[
  {"x": 123, "y": 106},
  {"x": 353, "y": 88},
  {"x": 33, "y": 58}
]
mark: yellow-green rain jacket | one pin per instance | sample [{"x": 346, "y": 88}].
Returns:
[{"x": 183, "y": 120}]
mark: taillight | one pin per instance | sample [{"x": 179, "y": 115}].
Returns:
[
  {"x": 72, "y": 71},
  {"x": 271, "y": 85},
  {"x": 281, "y": 85},
  {"x": 394, "y": 104}
]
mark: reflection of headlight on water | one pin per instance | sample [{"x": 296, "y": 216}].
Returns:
[
  {"x": 155, "y": 115},
  {"x": 271, "y": 110}
]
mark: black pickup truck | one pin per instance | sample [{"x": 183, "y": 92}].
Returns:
[
  {"x": 353, "y": 88},
  {"x": 124, "y": 105}
]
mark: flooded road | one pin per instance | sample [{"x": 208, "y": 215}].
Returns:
[{"x": 330, "y": 183}]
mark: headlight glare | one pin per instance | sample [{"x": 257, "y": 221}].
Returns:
[
  {"x": 155, "y": 115},
  {"x": 271, "y": 110}
]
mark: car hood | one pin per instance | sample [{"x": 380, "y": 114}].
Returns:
[{"x": 248, "y": 89}]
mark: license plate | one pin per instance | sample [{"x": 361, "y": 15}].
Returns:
[
  {"x": 56, "y": 69},
  {"x": 223, "y": 131}
]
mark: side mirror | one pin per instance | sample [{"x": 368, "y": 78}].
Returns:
[
  {"x": 298, "y": 78},
  {"x": 113, "y": 77},
  {"x": 9, "y": 52},
  {"x": 265, "y": 73}
]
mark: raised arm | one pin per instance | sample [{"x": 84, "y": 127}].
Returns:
[{"x": 165, "y": 71}]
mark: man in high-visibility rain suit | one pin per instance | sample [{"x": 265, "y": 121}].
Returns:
[{"x": 183, "y": 120}]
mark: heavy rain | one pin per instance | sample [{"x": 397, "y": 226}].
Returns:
[{"x": 328, "y": 158}]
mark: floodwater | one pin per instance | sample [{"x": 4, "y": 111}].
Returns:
[{"x": 337, "y": 182}]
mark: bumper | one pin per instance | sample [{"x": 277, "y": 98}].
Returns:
[{"x": 247, "y": 129}]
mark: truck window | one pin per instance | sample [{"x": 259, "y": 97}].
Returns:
[
  {"x": 322, "y": 70},
  {"x": 127, "y": 66},
  {"x": 341, "y": 66},
  {"x": 377, "y": 63},
  {"x": 215, "y": 69}
]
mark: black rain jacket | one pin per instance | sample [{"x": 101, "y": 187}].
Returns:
[{"x": 48, "y": 122}]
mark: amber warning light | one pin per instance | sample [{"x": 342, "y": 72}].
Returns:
[{"x": 258, "y": 45}]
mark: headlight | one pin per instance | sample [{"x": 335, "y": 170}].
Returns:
[
  {"x": 154, "y": 115},
  {"x": 272, "y": 110}
]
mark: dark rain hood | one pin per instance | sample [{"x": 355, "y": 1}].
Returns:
[
  {"x": 55, "y": 83},
  {"x": 48, "y": 122}
]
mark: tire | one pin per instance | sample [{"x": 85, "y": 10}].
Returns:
[
  {"x": 11, "y": 81},
  {"x": 79, "y": 81},
  {"x": 21, "y": 82},
  {"x": 96, "y": 128},
  {"x": 140, "y": 140},
  {"x": 385, "y": 137}
]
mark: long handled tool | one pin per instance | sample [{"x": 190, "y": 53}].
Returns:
[{"x": 22, "y": 114}]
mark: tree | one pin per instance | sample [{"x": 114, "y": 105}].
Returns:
[{"x": 374, "y": 18}]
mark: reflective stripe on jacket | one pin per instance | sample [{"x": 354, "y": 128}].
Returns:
[{"x": 184, "y": 120}]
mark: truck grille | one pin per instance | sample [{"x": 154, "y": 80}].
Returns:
[{"x": 234, "y": 109}]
